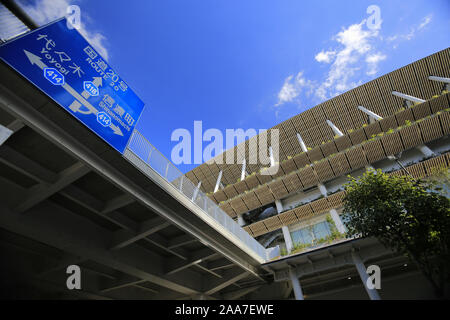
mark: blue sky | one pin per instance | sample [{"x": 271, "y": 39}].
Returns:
[{"x": 248, "y": 64}]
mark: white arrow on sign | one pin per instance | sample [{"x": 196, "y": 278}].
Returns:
[{"x": 34, "y": 59}]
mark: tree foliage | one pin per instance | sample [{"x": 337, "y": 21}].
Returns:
[{"x": 410, "y": 216}]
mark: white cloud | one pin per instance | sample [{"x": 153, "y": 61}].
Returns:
[
  {"x": 425, "y": 20},
  {"x": 354, "y": 43},
  {"x": 325, "y": 56},
  {"x": 412, "y": 31},
  {"x": 45, "y": 11},
  {"x": 372, "y": 62},
  {"x": 292, "y": 88}
]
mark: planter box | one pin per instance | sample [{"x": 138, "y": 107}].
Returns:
[
  {"x": 220, "y": 196},
  {"x": 228, "y": 209},
  {"x": 258, "y": 228},
  {"x": 273, "y": 223},
  {"x": 230, "y": 191},
  {"x": 288, "y": 217},
  {"x": 335, "y": 200},
  {"x": 252, "y": 181},
  {"x": 315, "y": 154},
  {"x": 241, "y": 186},
  {"x": 238, "y": 205},
  {"x": 250, "y": 200}
]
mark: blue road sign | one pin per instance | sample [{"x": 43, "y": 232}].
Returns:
[{"x": 61, "y": 63}]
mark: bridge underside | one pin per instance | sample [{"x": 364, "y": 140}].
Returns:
[{"x": 66, "y": 198}]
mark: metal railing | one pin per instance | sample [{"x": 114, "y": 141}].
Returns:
[{"x": 146, "y": 152}]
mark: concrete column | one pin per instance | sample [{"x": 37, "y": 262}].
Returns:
[
  {"x": 337, "y": 220},
  {"x": 240, "y": 220},
  {"x": 373, "y": 293},
  {"x": 296, "y": 285},
  {"x": 427, "y": 152},
  {"x": 287, "y": 238},
  {"x": 284, "y": 229},
  {"x": 302, "y": 144},
  {"x": 323, "y": 189}
]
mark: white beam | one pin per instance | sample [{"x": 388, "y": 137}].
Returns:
[
  {"x": 334, "y": 128},
  {"x": 302, "y": 143},
  {"x": 219, "y": 177},
  {"x": 371, "y": 114},
  {"x": 272, "y": 160},
  {"x": 407, "y": 97},
  {"x": 439, "y": 79},
  {"x": 232, "y": 278},
  {"x": 243, "y": 170},
  {"x": 337, "y": 221}
]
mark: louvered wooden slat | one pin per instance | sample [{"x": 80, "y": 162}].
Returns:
[
  {"x": 343, "y": 143},
  {"x": 439, "y": 104},
  {"x": 445, "y": 122},
  {"x": 303, "y": 211},
  {"x": 251, "y": 200},
  {"x": 403, "y": 116},
  {"x": 328, "y": 148},
  {"x": 421, "y": 70},
  {"x": 356, "y": 157},
  {"x": 320, "y": 205},
  {"x": 430, "y": 129},
  {"x": 258, "y": 228},
  {"x": 307, "y": 177},
  {"x": 323, "y": 170},
  {"x": 288, "y": 217},
  {"x": 435, "y": 164},
  {"x": 273, "y": 223},
  {"x": 228, "y": 209},
  {"x": 357, "y": 136},
  {"x": 292, "y": 182},
  {"x": 392, "y": 143},
  {"x": 336, "y": 199},
  {"x": 264, "y": 194},
  {"x": 339, "y": 164},
  {"x": 220, "y": 195},
  {"x": 238, "y": 205},
  {"x": 374, "y": 151},
  {"x": 247, "y": 229},
  {"x": 278, "y": 189},
  {"x": 288, "y": 166},
  {"x": 230, "y": 191},
  {"x": 315, "y": 154},
  {"x": 411, "y": 136},
  {"x": 388, "y": 123},
  {"x": 417, "y": 171},
  {"x": 372, "y": 129},
  {"x": 241, "y": 186}
]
